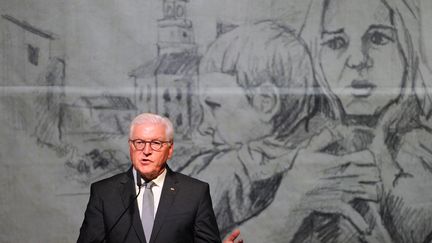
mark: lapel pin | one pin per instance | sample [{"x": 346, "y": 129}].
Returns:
[{"x": 172, "y": 189}]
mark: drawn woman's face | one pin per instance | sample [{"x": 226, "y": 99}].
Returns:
[
  {"x": 227, "y": 115},
  {"x": 359, "y": 56}
]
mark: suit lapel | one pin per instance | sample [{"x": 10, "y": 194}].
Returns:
[
  {"x": 127, "y": 194},
  {"x": 169, "y": 191}
]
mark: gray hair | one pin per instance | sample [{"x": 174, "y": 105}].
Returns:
[{"x": 153, "y": 119}]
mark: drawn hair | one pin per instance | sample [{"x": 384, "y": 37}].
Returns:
[
  {"x": 405, "y": 16},
  {"x": 267, "y": 52},
  {"x": 151, "y": 118}
]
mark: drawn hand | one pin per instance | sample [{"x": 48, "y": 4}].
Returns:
[
  {"x": 383, "y": 157},
  {"x": 331, "y": 182}
]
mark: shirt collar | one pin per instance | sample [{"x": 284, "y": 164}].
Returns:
[{"x": 158, "y": 181}]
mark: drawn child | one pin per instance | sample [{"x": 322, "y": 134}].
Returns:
[
  {"x": 364, "y": 176},
  {"x": 254, "y": 82}
]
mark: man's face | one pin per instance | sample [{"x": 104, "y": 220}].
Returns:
[{"x": 147, "y": 162}]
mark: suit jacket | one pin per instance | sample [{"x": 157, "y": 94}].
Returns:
[{"x": 185, "y": 212}]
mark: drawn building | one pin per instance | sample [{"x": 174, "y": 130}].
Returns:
[
  {"x": 26, "y": 51},
  {"x": 168, "y": 84},
  {"x": 96, "y": 117},
  {"x": 27, "y": 59}
]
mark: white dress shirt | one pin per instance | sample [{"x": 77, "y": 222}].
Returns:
[{"x": 157, "y": 190}]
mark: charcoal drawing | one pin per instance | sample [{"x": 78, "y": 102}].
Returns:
[{"x": 311, "y": 120}]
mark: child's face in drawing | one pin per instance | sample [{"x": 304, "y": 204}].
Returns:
[
  {"x": 360, "y": 57},
  {"x": 227, "y": 115}
]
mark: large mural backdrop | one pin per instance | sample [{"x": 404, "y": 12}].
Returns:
[{"x": 309, "y": 119}]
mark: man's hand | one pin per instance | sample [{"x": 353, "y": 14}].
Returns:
[{"x": 231, "y": 238}]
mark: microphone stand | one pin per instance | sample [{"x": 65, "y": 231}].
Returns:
[{"x": 139, "y": 184}]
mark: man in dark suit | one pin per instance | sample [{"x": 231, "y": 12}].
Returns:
[{"x": 180, "y": 205}]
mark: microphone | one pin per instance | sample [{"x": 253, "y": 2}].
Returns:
[{"x": 139, "y": 184}]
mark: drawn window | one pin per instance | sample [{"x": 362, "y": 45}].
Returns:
[
  {"x": 179, "y": 94},
  {"x": 179, "y": 11},
  {"x": 166, "y": 96},
  {"x": 33, "y": 54},
  {"x": 169, "y": 10},
  {"x": 179, "y": 120}
]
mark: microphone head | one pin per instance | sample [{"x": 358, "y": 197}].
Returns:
[{"x": 139, "y": 180}]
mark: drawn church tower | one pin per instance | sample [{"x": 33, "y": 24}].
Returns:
[
  {"x": 177, "y": 69},
  {"x": 175, "y": 31},
  {"x": 168, "y": 84}
]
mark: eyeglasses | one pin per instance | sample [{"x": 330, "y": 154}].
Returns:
[{"x": 155, "y": 145}]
